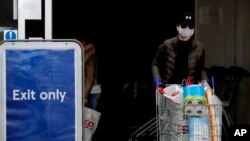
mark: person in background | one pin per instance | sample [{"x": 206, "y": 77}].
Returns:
[
  {"x": 181, "y": 57},
  {"x": 92, "y": 88}
]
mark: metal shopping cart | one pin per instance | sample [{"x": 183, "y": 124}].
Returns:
[{"x": 189, "y": 121}]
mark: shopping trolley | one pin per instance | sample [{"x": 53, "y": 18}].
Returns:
[{"x": 177, "y": 123}]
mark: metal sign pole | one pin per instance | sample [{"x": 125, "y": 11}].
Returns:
[
  {"x": 21, "y": 20},
  {"x": 48, "y": 19},
  {"x": 15, "y": 9}
]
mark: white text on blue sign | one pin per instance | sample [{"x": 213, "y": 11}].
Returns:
[{"x": 31, "y": 95}]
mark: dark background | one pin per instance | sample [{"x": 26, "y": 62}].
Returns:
[
  {"x": 126, "y": 32},
  {"x": 126, "y": 35}
]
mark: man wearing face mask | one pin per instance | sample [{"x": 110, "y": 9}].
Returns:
[{"x": 180, "y": 57}]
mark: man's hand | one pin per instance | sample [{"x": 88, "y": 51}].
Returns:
[
  {"x": 159, "y": 85},
  {"x": 161, "y": 89}
]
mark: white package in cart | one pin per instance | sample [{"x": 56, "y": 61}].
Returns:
[
  {"x": 174, "y": 103},
  {"x": 173, "y": 123},
  {"x": 175, "y": 93}
]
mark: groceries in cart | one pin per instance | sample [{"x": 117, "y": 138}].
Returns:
[
  {"x": 175, "y": 93},
  {"x": 188, "y": 113}
]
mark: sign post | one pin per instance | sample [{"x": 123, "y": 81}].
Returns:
[{"x": 41, "y": 90}]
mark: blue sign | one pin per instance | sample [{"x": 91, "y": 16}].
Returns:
[
  {"x": 40, "y": 95},
  {"x": 10, "y": 35}
]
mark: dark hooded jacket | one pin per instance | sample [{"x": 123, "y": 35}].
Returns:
[{"x": 164, "y": 62}]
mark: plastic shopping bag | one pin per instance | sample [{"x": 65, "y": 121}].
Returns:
[
  {"x": 175, "y": 93},
  {"x": 91, "y": 119}
]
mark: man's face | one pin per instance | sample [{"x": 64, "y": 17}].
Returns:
[{"x": 185, "y": 31}]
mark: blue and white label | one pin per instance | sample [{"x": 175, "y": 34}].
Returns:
[
  {"x": 40, "y": 95},
  {"x": 10, "y": 34}
]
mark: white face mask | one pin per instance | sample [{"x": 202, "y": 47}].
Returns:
[{"x": 186, "y": 32}]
